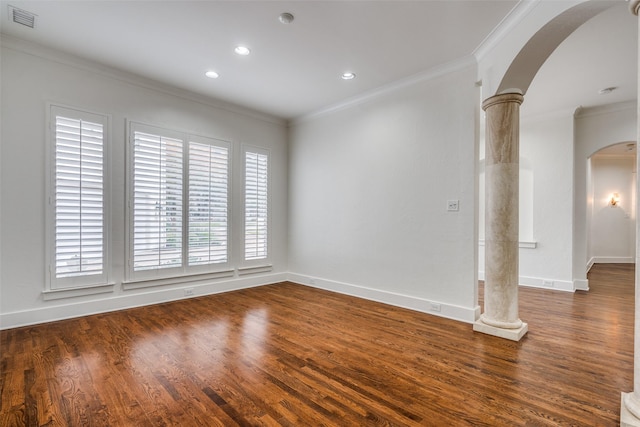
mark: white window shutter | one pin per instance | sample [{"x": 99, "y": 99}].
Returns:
[
  {"x": 78, "y": 197},
  {"x": 157, "y": 201},
  {"x": 208, "y": 203},
  {"x": 256, "y": 205}
]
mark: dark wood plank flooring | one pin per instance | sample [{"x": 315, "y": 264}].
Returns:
[{"x": 290, "y": 355}]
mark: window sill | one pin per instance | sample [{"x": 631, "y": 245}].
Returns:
[
  {"x": 521, "y": 245},
  {"x": 175, "y": 280},
  {"x": 255, "y": 269},
  {"x": 54, "y": 294}
]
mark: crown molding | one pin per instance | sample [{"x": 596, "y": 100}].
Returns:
[
  {"x": 606, "y": 109},
  {"x": 84, "y": 64},
  {"x": 432, "y": 73},
  {"x": 579, "y": 112},
  {"x": 508, "y": 23}
]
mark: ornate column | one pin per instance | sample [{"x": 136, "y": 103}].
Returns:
[
  {"x": 500, "y": 317},
  {"x": 630, "y": 407}
]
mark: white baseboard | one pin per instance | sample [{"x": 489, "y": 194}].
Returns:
[
  {"x": 437, "y": 308},
  {"x": 129, "y": 299},
  {"x": 539, "y": 282},
  {"x": 612, "y": 260},
  {"x": 581, "y": 284},
  {"x": 590, "y": 263}
]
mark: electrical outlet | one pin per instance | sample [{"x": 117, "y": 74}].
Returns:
[
  {"x": 188, "y": 292},
  {"x": 453, "y": 205},
  {"x": 434, "y": 306},
  {"x": 547, "y": 283}
]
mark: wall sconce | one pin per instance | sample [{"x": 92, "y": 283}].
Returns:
[{"x": 614, "y": 200}]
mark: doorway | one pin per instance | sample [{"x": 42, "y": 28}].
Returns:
[{"x": 611, "y": 201}]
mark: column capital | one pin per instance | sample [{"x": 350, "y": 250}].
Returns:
[
  {"x": 634, "y": 6},
  {"x": 504, "y": 98}
]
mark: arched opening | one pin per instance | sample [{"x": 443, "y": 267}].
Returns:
[
  {"x": 605, "y": 179},
  {"x": 611, "y": 204},
  {"x": 595, "y": 118},
  {"x": 559, "y": 261}
]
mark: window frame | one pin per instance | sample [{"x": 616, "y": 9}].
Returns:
[
  {"x": 266, "y": 260},
  {"x": 74, "y": 284},
  {"x": 160, "y": 275}
]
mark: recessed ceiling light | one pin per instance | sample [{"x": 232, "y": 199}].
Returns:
[
  {"x": 211, "y": 74},
  {"x": 242, "y": 50},
  {"x": 607, "y": 90},
  {"x": 286, "y": 18},
  {"x": 348, "y": 76}
]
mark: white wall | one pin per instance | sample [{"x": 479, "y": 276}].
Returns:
[
  {"x": 612, "y": 235},
  {"x": 595, "y": 128},
  {"x": 368, "y": 195},
  {"x": 33, "y": 76},
  {"x": 548, "y": 144}
]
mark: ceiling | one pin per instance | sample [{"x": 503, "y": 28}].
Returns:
[
  {"x": 601, "y": 53},
  {"x": 294, "y": 69}
]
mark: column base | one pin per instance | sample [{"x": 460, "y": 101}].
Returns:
[
  {"x": 627, "y": 419},
  {"x": 510, "y": 334}
]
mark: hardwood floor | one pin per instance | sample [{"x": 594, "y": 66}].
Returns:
[{"x": 291, "y": 355}]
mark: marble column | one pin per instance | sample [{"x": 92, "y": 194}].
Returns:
[
  {"x": 630, "y": 406},
  {"x": 502, "y": 169}
]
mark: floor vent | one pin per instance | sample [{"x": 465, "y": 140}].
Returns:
[{"x": 22, "y": 17}]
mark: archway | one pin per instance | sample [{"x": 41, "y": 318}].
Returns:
[
  {"x": 611, "y": 204},
  {"x": 500, "y": 316},
  {"x": 502, "y": 139}
]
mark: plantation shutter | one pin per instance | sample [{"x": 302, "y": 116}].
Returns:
[
  {"x": 78, "y": 195},
  {"x": 208, "y": 203},
  {"x": 157, "y": 201},
  {"x": 256, "y": 205}
]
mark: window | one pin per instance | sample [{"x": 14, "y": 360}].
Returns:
[
  {"x": 256, "y": 186},
  {"x": 157, "y": 201},
  {"x": 179, "y": 203},
  {"x": 77, "y": 198},
  {"x": 208, "y": 203}
]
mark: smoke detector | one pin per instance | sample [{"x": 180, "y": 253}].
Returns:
[
  {"x": 22, "y": 17},
  {"x": 286, "y": 18}
]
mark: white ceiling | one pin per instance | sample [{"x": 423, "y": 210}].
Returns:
[
  {"x": 294, "y": 69},
  {"x": 601, "y": 53}
]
